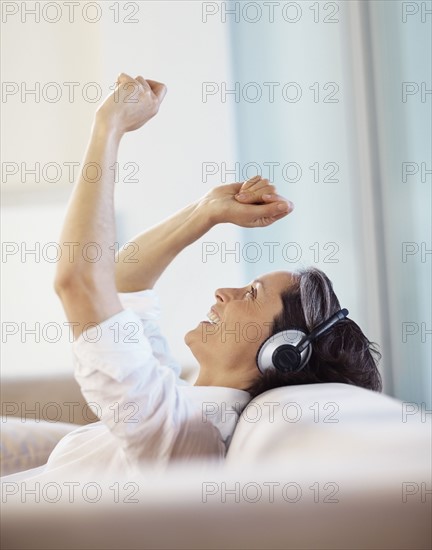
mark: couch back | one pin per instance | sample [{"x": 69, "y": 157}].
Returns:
[{"x": 331, "y": 423}]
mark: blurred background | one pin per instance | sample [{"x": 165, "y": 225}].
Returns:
[{"x": 329, "y": 100}]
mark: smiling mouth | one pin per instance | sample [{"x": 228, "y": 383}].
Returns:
[{"x": 213, "y": 318}]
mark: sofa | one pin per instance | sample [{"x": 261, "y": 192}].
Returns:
[{"x": 309, "y": 467}]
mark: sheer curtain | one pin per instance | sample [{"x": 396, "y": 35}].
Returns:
[{"x": 341, "y": 140}]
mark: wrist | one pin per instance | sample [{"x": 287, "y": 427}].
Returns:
[
  {"x": 208, "y": 212},
  {"x": 105, "y": 129}
]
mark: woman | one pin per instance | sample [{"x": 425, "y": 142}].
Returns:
[{"x": 122, "y": 362}]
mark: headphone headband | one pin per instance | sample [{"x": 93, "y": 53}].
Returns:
[{"x": 323, "y": 327}]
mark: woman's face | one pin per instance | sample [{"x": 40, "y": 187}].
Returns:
[{"x": 238, "y": 322}]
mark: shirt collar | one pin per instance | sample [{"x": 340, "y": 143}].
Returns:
[{"x": 219, "y": 405}]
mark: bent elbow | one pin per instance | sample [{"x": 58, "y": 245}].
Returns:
[
  {"x": 61, "y": 284},
  {"x": 67, "y": 283}
]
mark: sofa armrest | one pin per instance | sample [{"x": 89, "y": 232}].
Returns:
[{"x": 56, "y": 399}]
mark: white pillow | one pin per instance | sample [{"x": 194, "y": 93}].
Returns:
[
  {"x": 26, "y": 444},
  {"x": 333, "y": 424}
]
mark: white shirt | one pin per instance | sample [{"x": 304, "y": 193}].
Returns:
[{"x": 147, "y": 413}]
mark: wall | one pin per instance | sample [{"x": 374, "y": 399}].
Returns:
[{"x": 169, "y": 43}]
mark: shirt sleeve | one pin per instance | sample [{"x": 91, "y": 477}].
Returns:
[
  {"x": 136, "y": 396},
  {"x": 146, "y": 305}
]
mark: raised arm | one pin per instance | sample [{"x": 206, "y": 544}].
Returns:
[
  {"x": 87, "y": 288},
  {"x": 154, "y": 249},
  {"x": 88, "y": 279}
]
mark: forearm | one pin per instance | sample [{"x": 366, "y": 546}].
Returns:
[
  {"x": 140, "y": 264},
  {"x": 90, "y": 214}
]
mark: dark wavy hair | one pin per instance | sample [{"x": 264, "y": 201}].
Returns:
[{"x": 343, "y": 354}]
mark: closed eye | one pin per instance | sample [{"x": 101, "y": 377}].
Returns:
[{"x": 251, "y": 292}]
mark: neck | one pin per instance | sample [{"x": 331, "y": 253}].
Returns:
[{"x": 238, "y": 378}]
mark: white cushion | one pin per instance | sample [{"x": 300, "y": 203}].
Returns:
[
  {"x": 26, "y": 444},
  {"x": 331, "y": 423}
]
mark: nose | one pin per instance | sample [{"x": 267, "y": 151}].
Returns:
[
  {"x": 226, "y": 294},
  {"x": 220, "y": 295}
]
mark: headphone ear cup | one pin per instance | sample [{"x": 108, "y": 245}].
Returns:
[
  {"x": 279, "y": 352},
  {"x": 286, "y": 358}
]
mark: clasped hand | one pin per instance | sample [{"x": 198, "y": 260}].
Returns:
[{"x": 254, "y": 203}]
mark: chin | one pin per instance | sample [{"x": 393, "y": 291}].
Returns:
[
  {"x": 189, "y": 336},
  {"x": 193, "y": 340}
]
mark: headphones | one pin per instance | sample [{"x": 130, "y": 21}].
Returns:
[{"x": 290, "y": 350}]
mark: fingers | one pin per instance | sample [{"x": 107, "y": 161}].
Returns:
[
  {"x": 273, "y": 197},
  {"x": 158, "y": 88},
  {"x": 138, "y": 84},
  {"x": 275, "y": 210},
  {"x": 249, "y": 183},
  {"x": 254, "y": 184},
  {"x": 257, "y": 190},
  {"x": 124, "y": 78},
  {"x": 143, "y": 83}
]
